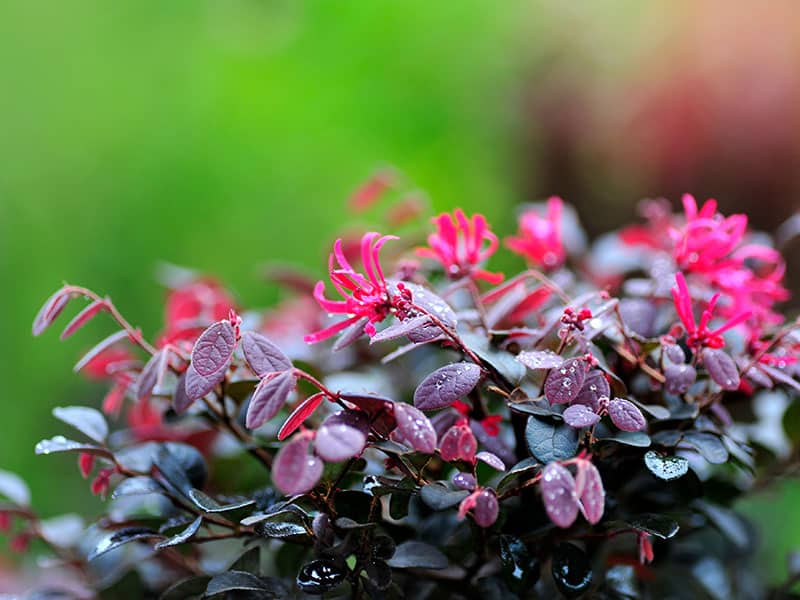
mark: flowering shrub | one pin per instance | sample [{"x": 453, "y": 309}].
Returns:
[{"x": 580, "y": 427}]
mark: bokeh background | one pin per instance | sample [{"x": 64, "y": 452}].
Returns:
[{"x": 222, "y": 135}]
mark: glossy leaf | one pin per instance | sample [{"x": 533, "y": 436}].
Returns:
[
  {"x": 208, "y": 504},
  {"x": 88, "y": 421},
  {"x": 486, "y": 508},
  {"x": 268, "y": 398},
  {"x": 400, "y": 329},
  {"x": 233, "y": 582},
  {"x": 564, "y": 382},
  {"x": 303, "y": 411},
  {"x": 433, "y": 304},
  {"x": 446, "y": 385},
  {"x": 708, "y": 445},
  {"x": 626, "y": 415},
  {"x": 211, "y": 357},
  {"x": 679, "y": 378},
  {"x": 294, "y": 470},
  {"x": 182, "y": 537},
  {"x": 572, "y": 570},
  {"x": 439, "y": 497},
  {"x": 657, "y": 525},
  {"x": 120, "y": 537},
  {"x": 594, "y": 387},
  {"x": 61, "y": 444},
  {"x": 520, "y": 570},
  {"x": 464, "y": 481},
  {"x": 721, "y": 368},
  {"x": 262, "y": 355},
  {"x": 666, "y": 467},
  {"x": 458, "y": 443},
  {"x": 320, "y": 576},
  {"x": 559, "y": 496},
  {"x": 491, "y": 459},
  {"x": 415, "y": 428},
  {"x": 549, "y": 441},
  {"x": 134, "y": 486},
  {"x": 342, "y": 435},
  {"x": 539, "y": 359},
  {"x": 579, "y": 416}
]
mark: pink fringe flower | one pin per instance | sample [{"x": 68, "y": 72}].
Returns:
[
  {"x": 539, "y": 238},
  {"x": 365, "y": 297},
  {"x": 458, "y": 245}
]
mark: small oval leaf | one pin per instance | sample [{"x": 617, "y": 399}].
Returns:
[
  {"x": 595, "y": 386},
  {"x": 721, "y": 368},
  {"x": 268, "y": 398},
  {"x": 564, "y": 382},
  {"x": 211, "y": 357},
  {"x": 492, "y": 460},
  {"x": 341, "y": 436},
  {"x": 548, "y": 441},
  {"x": 666, "y": 467},
  {"x": 579, "y": 416},
  {"x": 539, "y": 359},
  {"x": 89, "y": 421},
  {"x": 558, "y": 495},
  {"x": 304, "y": 410},
  {"x": 626, "y": 415},
  {"x": 415, "y": 428},
  {"x": 262, "y": 355},
  {"x": 446, "y": 385},
  {"x": 83, "y": 317},
  {"x": 590, "y": 491},
  {"x": 294, "y": 470}
]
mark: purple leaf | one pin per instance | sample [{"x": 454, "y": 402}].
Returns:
[
  {"x": 415, "y": 428},
  {"x": 564, "y": 382},
  {"x": 268, "y": 398},
  {"x": 151, "y": 374},
  {"x": 436, "y": 306},
  {"x": 590, "y": 492},
  {"x": 678, "y": 377},
  {"x": 103, "y": 345},
  {"x": 594, "y": 387},
  {"x": 400, "y": 329},
  {"x": 492, "y": 460},
  {"x": 262, "y": 355},
  {"x": 88, "y": 421},
  {"x": 721, "y": 368},
  {"x": 539, "y": 359},
  {"x": 674, "y": 353},
  {"x": 84, "y": 317},
  {"x": 180, "y": 400},
  {"x": 211, "y": 357},
  {"x": 558, "y": 495},
  {"x": 579, "y": 416},
  {"x": 350, "y": 335},
  {"x": 465, "y": 481},
  {"x": 294, "y": 470},
  {"x": 446, "y": 385},
  {"x": 626, "y": 415},
  {"x": 51, "y": 308},
  {"x": 342, "y": 435},
  {"x": 780, "y": 376},
  {"x": 300, "y": 414},
  {"x": 486, "y": 508}
]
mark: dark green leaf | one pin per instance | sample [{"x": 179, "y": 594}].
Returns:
[
  {"x": 117, "y": 538},
  {"x": 249, "y": 561},
  {"x": 525, "y": 466},
  {"x": 548, "y": 441},
  {"x": 320, "y": 576},
  {"x": 658, "y": 525},
  {"x": 638, "y": 439},
  {"x": 708, "y": 445},
  {"x": 208, "y": 504},
  {"x": 241, "y": 581},
  {"x": 572, "y": 570},
  {"x": 183, "y": 536},
  {"x": 61, "y": 444},
  {"x": 186, "y": 589},
  {"x": 439, "y": 497},
  {"x": 519, "y": 569},
  {"x": 413, "y": 554},
  {"x": 136, "y": 486}
]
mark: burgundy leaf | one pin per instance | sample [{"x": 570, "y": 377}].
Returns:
[
  {"x": 594, "y": 387},
  {"x": 564, "y": 382},
  {"x": 491, "y": 459},
  {"x": 84, "y": 317},
  {"x": 458, "y": 443},
  {"x": 780, "y": 376},
  {"x": 626, "y": 415},
  {"x": 211, "y": 357},
  {"x": 103, "y": 345},
  {"x": 433, "y": 304},
  {"x": 350, "y": 335},
  {"x": 590, "y": 492},
  {"x": 446, "y": 385},
  {"x": 151, "y": 374},
  {"x": 300, "y": 414},
  {"x": 380, "y": 410},
  {"x": 539, "y": 359},
  {"x": 674, "y": 353},
  {"x": 50, "y": 310},
  {"x": 721, "y": 368},
  {"x": 268, "y": 398},
  {"x": 579, "y": 416},
  {"x": 180, "y": 400},
  {"x": 415, "y": 428},
  {"x": 558, "y": 495},
  {"x": 262, "y": 355},
  {"x": 400, "y": 329},
  {"x": 294, "y": 470},
  {"x": 679, "y": 377},
  {"x": 341, "y": 436},
  {"x": 486, "y": 508}
]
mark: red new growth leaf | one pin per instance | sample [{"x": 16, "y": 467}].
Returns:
[
  {"x": 458, "y": 443},
  {"x": 85, "y": 463},
  {"x": 590, "y": 492},
  {"x": 304, "y": 410},
  {"x": 84, "y": 317},
  {"x": 294, "y": 470},
  {"x": 558, "y": 494},
  {"x": 50, "y": 310},
  {"x": 211, "y": 357}
]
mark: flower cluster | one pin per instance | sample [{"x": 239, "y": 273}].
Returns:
[{"x": 558, "y": 430}]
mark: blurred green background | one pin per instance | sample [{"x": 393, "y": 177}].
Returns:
[{"x": 220, "y": 135}]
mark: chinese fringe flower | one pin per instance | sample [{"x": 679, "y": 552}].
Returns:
[
  {"x": 539, "y": 238},
  {"x": 365, "y": 297},
  {"x": 458, "y": 245},
  {"x": 699, "y": 335}
]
